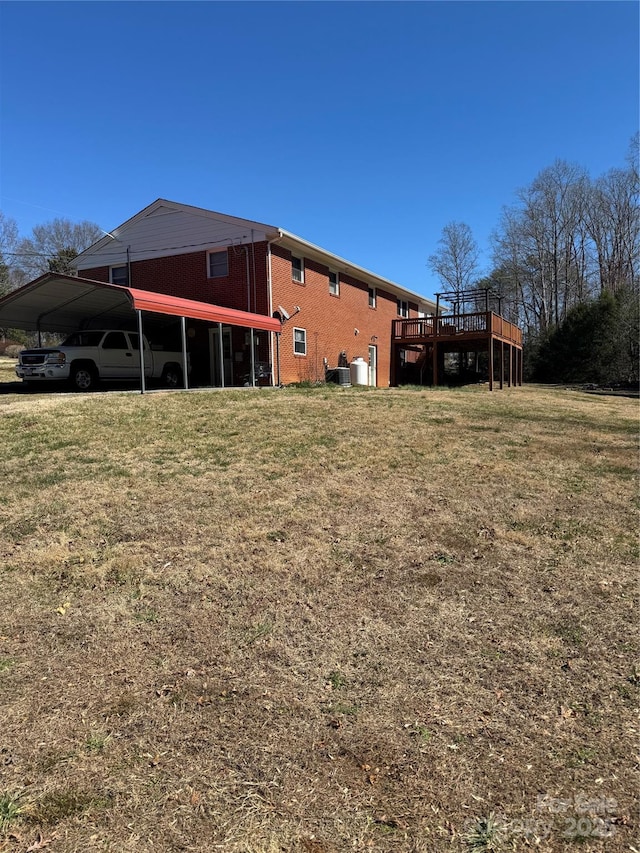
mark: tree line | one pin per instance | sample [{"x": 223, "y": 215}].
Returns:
[
  {"x": 566, "y": 264},
  {"x": 50, "y": 248}
]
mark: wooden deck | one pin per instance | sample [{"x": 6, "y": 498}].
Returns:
[
  {"x": 457, "y": 328},
  {"x": 483, "y": 331}
]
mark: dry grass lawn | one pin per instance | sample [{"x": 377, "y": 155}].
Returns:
[{"x": 319, "y": 620}]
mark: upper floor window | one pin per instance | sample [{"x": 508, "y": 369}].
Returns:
[
  {"x": 120, "y": 275},
  {"x": 372, "y": 297},
  {"x": 297, "y": 269},
  {"x": 334, "y": 283},
  {"x": 403, "y": 308},
  {"x": 218, "y": 264},
  {"x": 300, "y": 341}
]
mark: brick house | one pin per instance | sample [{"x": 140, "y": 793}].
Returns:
[{"x": 331, "y": 310}]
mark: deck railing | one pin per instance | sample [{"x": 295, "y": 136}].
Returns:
[{"x": 470, "y": 325}]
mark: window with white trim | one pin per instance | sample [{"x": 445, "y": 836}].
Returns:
[
  {"x": 403, "y": 308},
  {"x": 119, "y": 275},
  {"x": 297, "y": 269},
  {"x": 300, "y": 341},
  {"x": 334, "y": 283},
  {"x": 372, "y": 297},
  {"x": 218, "y": 264}
]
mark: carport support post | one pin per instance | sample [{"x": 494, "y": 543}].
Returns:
[
  {"x": 141, "y": 343},
  {"x": 221, "y": 351},
  {"x": 253, "y": 359},
  {"x": 183, "y": 330},
  {"x": 278, "y": 356}
]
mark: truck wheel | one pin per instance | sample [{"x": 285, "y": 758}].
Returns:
[
  {"x": 84, "y": 378},
  {"x": 172, "y": 376}
]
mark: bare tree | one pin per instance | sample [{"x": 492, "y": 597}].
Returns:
[
  {"x": 455, "y": 262},
  {"x": 8, "y": 243},
  {"x": 54, "y": 244},
  {"x": 613, "y": 223},
  {"x": 542, "y": 245}
]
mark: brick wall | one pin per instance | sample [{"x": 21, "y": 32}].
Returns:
[
  {"x": 186, "y": 276},
  {"x": 330, "y": 321}
]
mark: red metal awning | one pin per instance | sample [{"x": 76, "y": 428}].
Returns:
[
  {"x": 160, "y": 303},
  {"x": 64, "y": 303}
]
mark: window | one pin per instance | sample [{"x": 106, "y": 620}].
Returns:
[
  {"x": 120, "y": 275},
  {"x": 83, "y": 339},
  {"x": 115, "y": 340},
  {"x": 334, "y": 283},
  {"x": 218, "y": 264},
  {"x": 300, "y": 341},
  {"x": 372, "y": 297},
  {"x": 403, "y": 308},
  {"x": 135, "y": 341},
  {"x": 297, "y": 269}
]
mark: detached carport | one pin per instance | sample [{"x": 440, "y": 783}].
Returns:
[{"x": 65, "y": 304}]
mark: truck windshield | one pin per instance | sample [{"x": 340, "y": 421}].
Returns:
[{"x": 83, "y": 339}]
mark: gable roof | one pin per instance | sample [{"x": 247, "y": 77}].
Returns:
[
  {"x": 63, "y": 303},
  {"x": 171, "y": 228}
]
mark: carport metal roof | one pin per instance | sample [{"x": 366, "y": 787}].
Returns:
[{"x": 64, "y": 303}]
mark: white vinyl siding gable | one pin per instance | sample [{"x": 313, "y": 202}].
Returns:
[{"x": 167, "y": 231}]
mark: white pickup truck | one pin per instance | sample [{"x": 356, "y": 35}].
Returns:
[{"x": 89, "y": 357}]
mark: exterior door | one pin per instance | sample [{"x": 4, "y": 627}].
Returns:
[
  {"x": 373, "y": 365},
  {"x": 214, "y": 354}
]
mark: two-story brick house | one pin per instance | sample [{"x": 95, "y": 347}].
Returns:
[{"x": 332, "y": 311}]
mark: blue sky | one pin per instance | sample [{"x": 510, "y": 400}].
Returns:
[{"x": 362, "y": 127}]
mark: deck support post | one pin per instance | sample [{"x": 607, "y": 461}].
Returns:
[
  {"x": 490, "y": 362},
  {"x": 393, "y": 367},
  {"x": 435, "y": 364},
  {"x": 521, "y": 371},
  {"x": 501, "y": 365}
]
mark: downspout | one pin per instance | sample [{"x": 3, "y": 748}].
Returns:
[
  {"x": 246, "y": 257},
  {"x": 253, "y": 265}
]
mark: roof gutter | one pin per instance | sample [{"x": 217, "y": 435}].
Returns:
[{"x": 357, "y": 270}]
